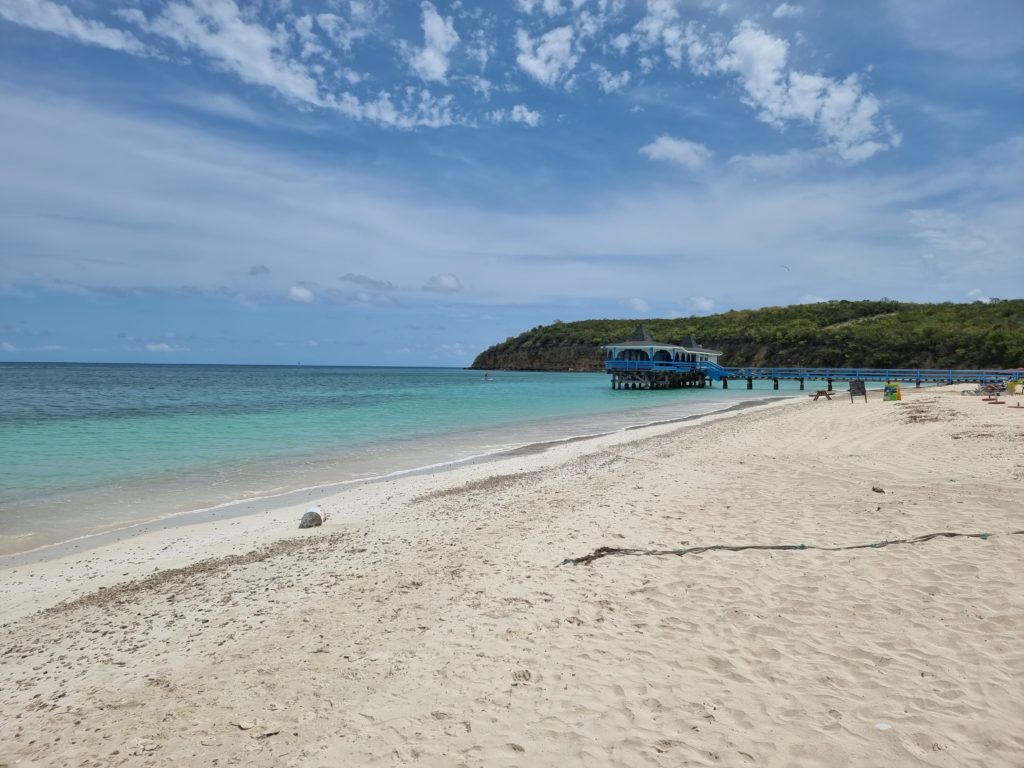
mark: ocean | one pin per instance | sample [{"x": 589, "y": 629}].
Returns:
[{"x": 89, "y": 448}]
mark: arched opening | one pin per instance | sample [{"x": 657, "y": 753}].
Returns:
[
  {"x": 663, "y": 354},
  {"x": 632, "y": 354}
]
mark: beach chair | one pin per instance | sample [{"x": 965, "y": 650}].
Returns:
[{"x": 989, "y": 389}]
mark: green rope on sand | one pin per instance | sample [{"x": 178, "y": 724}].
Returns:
[{"x": 600, "y": 552}]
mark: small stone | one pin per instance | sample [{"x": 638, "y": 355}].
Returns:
[
  {"x": 311, "y": 519},
  {"x": 877, "y": 489},
  {"x": 245, "y": 725}
]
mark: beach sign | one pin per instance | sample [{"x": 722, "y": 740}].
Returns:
[{"x": 892, "y": 391}]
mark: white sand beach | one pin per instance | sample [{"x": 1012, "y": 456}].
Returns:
[{"x": 431, "y": 621}]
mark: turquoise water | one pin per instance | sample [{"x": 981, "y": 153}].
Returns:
[{"x": 87, "y": 448}]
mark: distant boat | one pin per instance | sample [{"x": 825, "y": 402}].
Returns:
[{"x": 487, "y": 376}]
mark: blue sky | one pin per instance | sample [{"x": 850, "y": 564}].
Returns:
[{"x": 372, "y": 182}]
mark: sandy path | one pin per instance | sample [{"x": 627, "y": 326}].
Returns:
[{"x": 429, "y": 623}]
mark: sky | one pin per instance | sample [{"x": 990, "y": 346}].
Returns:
[{"x": 364, "y": 182}]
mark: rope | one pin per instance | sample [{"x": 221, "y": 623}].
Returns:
[{"x": 600, "y": 552}]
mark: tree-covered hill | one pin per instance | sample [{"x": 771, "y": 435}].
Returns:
[{"x": 834, "y": 333}]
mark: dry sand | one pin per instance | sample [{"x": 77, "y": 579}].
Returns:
[{"x": 430, "y": 623}]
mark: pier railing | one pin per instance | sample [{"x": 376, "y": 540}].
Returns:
[{"x": 716, "y": 372}]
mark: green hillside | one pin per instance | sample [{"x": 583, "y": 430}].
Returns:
[{"x": 834, "y": 333}]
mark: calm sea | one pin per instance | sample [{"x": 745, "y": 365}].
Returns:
[{"x": 90, "y": 448}]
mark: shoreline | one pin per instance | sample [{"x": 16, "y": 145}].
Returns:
[
  {"x": 429, "y": 621},
  {"x": 69, "y": 571},
  {"x": 260, "y": 504}
]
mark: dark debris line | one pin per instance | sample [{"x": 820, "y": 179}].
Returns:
[{"x": 600, "y": 552}]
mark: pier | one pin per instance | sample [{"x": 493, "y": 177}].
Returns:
[
  {"x": 642, "y": 363},
  {"x": 653, "y": 374}
]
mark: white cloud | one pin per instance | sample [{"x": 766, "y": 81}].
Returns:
[
  {"x": 453, "y": 350},
  {"x": 6, "y": 346},
  {"x": 549, "y": 58},
  {"x": 431, "y": 61},
  {"x": 415, "y": 108},
  {"x": 663, "y": 29},
  {"x": 520, "y": 113},
  {"x": 688, "y": 154},
  {"x": 443, "y": 283},
  {"x": 255, "y": 53},
  {"x": 161, "y": 347},
  {"x": 311, "y": 45},
  {"x": 300, "y": 294},
  {"x": 367, "y": 282},
  {"x": 787, "y": 10},
  {"x": 550, "y": 7},
  {"x": 610, "y": 83},
  {"x": 260, "y": 55},
  {"x": 48, "y": 16},
  {"x": 786, "y": 162},
  {"x": 976, "y": 294},
  {"x": 480, "y": 47},
  {"x": 702, "y": 303},
  {"x": 52, "y": 348},
  {"x": 638, "y": 305},
  {"x": 346, "y": 31},
  {"x": 846, "y": 116}
]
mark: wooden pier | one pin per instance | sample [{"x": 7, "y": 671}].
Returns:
[{"x": 661, "y": 374}]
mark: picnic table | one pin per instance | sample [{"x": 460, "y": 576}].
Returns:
[{"x": 820, "y": 392}]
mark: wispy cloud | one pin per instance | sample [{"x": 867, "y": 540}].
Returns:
[
  {"x": 443, "y": 283},
  {"x": 688, "y": 154},
  {"x": 160, "y": 347},
  {"x": 300, "y": 294},
  {"x": 520, "y": 113},
  {"x": 367, "y": 282},
  {"x": 638, "y": 305},
  {"x": 788, "y": 10},
  {"x": 48, "y": 16},
  {"x": 630, "y": 240}
]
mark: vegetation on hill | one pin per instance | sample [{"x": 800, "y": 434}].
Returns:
[{"x": 874, "y": 334}]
